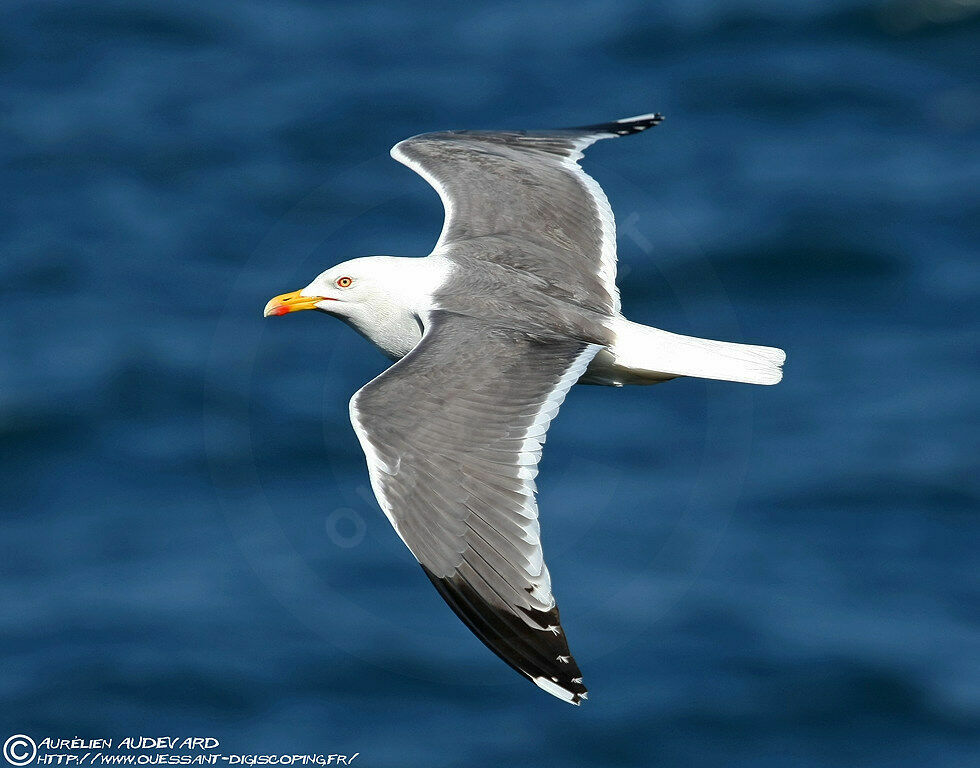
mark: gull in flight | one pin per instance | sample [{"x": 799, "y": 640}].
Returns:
[{"x": 516, "y": 303}]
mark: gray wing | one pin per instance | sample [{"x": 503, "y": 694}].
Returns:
[
  {"x": 452, "y": 435},
  {"x": 526, "y": 192}
]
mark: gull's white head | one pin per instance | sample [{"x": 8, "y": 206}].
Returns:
[
  {"x": 383, "y": 297},
  {"x": 359, "y": 284}
]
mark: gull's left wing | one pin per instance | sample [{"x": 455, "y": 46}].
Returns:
[{"x": 453, "y": 434}]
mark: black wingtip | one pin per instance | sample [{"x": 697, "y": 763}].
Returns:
[
  {"x": 627, "y": 125},
  {"x": 540, "y": 654}
]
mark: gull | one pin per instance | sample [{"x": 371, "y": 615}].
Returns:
[{"x": 516, "y": 303}]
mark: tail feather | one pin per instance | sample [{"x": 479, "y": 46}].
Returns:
[{"x": 648, "y": 354}]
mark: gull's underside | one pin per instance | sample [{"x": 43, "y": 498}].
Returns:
[{"x": 525, "y": 305}]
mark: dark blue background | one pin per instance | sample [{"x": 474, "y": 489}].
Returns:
[{"x": 748, "y": 576}]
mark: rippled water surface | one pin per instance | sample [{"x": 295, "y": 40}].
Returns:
[{"x": 748, "y": 576}]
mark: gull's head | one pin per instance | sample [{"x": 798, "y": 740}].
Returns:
[
  {"x": 353, "y": 288},
  {"x": 382, "y": 297}
]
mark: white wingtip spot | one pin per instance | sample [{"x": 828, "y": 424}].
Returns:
[
  {"x": 635, "y": 118},
  {"x": 556, "y": 690}
]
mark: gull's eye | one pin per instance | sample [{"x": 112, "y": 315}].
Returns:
[{"x": 344, "y": 282}]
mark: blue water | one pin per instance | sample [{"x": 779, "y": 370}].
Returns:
[{"x": 747, "y": 576}]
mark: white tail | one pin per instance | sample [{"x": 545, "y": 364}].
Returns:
[{"x": 644, "y": 355}]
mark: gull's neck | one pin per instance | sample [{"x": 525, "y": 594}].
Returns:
[{"x": 414, "y": 281}]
